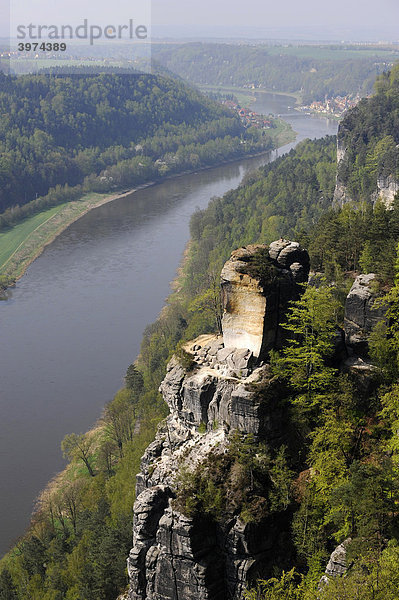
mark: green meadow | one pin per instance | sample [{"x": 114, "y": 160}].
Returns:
[{"x": 11, "y": 241}]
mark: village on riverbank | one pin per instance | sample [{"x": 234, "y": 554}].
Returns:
[
  {"x": 331, "y": 107},
  {"x": 334, "y": 107},
  {"x": 248, "y": 117}
]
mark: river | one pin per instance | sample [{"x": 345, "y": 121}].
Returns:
[{"x": 75, "y": 320}]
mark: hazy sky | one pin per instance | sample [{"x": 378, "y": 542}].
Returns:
[
  {"x": 376, "y": 18},
  {"x": 370, "y": 13}
]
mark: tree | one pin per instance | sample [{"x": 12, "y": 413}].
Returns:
[
  {"x": 290, "y": 586},
  {"x": 311, "y": 321},
  {"x": 7, "y": 588},
  {"x": 134, "y": 379},
  {"x": 384, "y": 339},
  {"x": 79, "y": 447},
  {"x": 364, "y": 506},
  {"x": 70, "y": 497},
  {"x": 390, "y": 415},
  {"x": 209, "y": 302},
  {"x": 119, "y": 419},
  {"x": 106, "y": 456}
]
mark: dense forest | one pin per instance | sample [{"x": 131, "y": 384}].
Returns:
[
  {"x": 369, "y": 135},
  {"x": 240, "y": 65},
  {"x": 341, "y": 478},
  {"x": 103, "y": 132}
]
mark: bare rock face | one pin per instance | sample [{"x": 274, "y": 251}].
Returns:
[
  {"x": 387, "y": 188},
  {"x": 337, "y": 565},
  {"x": 257, "y": 283},
  {"x": 175, "y": 557},
  {"x": 341, "y": 195},
  {"x": 361, "y": 315},
  {"x": 164, "y": 563},
  {"x": 219, "y": 390}
]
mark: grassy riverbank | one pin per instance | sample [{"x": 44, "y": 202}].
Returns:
[{"x": 23, "y": 243}]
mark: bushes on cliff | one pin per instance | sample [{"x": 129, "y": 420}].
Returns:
[
  {"x": 354, "y": 238},
  {"x": 369, "y": 579},
  {"x": 261, "y": 268},
  {"x": 245, "y": 479}
]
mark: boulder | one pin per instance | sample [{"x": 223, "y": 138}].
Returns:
[{"x": 337, "y": 565}]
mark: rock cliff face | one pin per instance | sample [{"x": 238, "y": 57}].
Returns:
[
  {"x": 386, "y": 187},
  {"x": 254, "y": 303},
  {"x": 175, "y": 557},
  {"x": 361, "y": 314},
  {"x": 337, "y": 565},
  {"x": 225, "y": 385},
  {"x": 341, "y": 195}
]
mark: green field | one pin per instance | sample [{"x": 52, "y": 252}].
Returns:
[
  {"x": 244, "y": 96},
  {"x": 12, "y": 240},
  {"x": 283, "y": 133},
  {"x": 21, "y": 244}
]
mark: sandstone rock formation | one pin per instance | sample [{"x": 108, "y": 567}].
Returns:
[
  {"x": 361, "y": 314},
  {"x": 337, "y": 565},
  {"x": 341, "y": 195},
  {"x": 217, "y": 385},
  {"x": 223, "y": 386},
  {"x": 176, "y": 557},
  {"x": 387, "y": 188},
  {"x": 255, "y": 301}
]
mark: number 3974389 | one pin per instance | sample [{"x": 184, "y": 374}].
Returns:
[{"x": 44, "y": 46}]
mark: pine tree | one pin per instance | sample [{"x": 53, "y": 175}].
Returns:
[
  {"x": 384, "y": 339},
  {"x": 7, "y": 588},
  {"x": 311, "y": 321}
]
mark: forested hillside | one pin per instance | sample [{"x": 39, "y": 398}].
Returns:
[
  {"x": 59, "y": 130},
  {"x": 327, "y": 72},
  {"x": 369, "y": 136}
]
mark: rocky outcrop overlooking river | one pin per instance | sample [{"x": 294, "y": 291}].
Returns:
[
  {"x": 175, "y": 556},
  {"x": 218, "y": 385}
]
